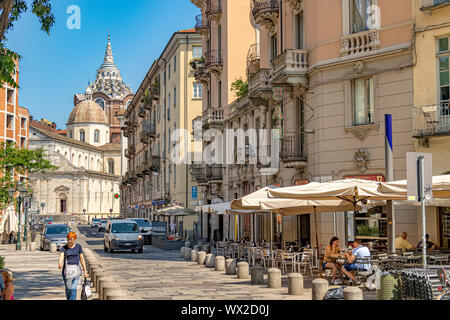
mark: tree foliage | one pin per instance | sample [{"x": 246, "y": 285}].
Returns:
[
  {"x": 240, "y": 87},
  {"x": 14, "y": 160},
  {"x": 11, "y": 11}
]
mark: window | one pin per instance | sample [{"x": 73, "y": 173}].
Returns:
[
  {"x": 23, "y": 123},
  {"x": 169, "y": 71},
  {"x": 23, "y": 142},
  {"x": 175, "y": 97},
  {"x": 10, "y": 121},
  {"x": 360, "y": 15},
  {"x": 273, "y": 47},
  {"x": 363, "y": 101},
  {"x": 168, "y": 109},
  {"x": 174, "y": 175},
  {"x": 219, "y": 95},
  {"x": 298, "y": 31},
  {"x": 196, "y": 52},
  {"x": 197, "y": 90},
  {"x": 70, "y": 134},
  {"x": 82, "y": 136},
  {"x": 101, "y": 103},
  {"x": 96, "y": 136},
  {"x": 444, "y": 75},
  {"x": 174, "y": 64},
  {"x": 10, "y": 96},
  {"x": 111, "y": 166}
]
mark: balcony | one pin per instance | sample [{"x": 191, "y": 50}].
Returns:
[
  {"x": 214, "y": 10},
  {"x": 292, "y": 152},
  {"x": 431, "y": 121},
  {"x": 434, "y": 4},
  {"x": 155, "y": 163},
  {"x": 140, "y": 171},
  {"x": 214, "y": 61},
  {"x": 290, "y": 67},
  {"x": 214, "y": 172},
  {"x": 146, "y": 168},
  {"x": 198, "y": 173},
  {"x": 202, "y": 25},
  {"x": 131, "y": 150},
  {"x": 201, "y": 74},
  {"x": 144, "y": 137},
  {"x": 127, "y": 154},
  {"x": 142, "y": 112},
  {"x": 253, "y": 59},
  {"x": 212, "y": 117},
  {"x": 155, "y": 92},
  {"x": 266, "y": 12},
  {"x": 360, "y": 43},
  {"x": 133, "y": 176},
  {"x": 259, "y": 88}
]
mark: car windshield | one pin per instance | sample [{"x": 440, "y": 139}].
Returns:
[
  {"x": 95, "y": 220},
  {"x": 125, "y": 228},
  {"x": 143, "y": 223},
  {"x": 104, "y": 221},
  {"x": 57, "y": 230}
]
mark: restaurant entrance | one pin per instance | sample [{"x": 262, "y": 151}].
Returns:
[
  {"x": 304, "y": 229},
  {"x": 444, "y": 223}
]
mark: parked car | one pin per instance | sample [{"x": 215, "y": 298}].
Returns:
[
  {"x": 122, "y": 235},
  {"x": 102, "y": 225},
  {"x": 146, "y": 229},
  {"x": 95, "y": 222},
  {"x": 54, "y": 233}
]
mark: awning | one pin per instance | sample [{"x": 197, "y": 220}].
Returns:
[{"x": 220, "y": 209}]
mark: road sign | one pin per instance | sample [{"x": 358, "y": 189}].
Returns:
[
  {"x": 117, "y": 196},
  {"x": 412, "y": 160},
  {"x": 143, "y": 206},
  {"x": 194, "y": 193},
  {"x": 43, "y": 205}
]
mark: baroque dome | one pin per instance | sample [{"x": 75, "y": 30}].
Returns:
[{"x": 87, "y": 111}]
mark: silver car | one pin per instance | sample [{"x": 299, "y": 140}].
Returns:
[
  {"x": 54, "y": 233},
  {"x": 146, "y": 228},
  {"x": 95, "y": 222}
]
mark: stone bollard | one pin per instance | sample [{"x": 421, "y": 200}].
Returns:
[
  {"x": 243, "y": 270},
  {"x": 53, "y": 248},
  {"x": 110, "y": 290},
  {"x": 295, "y": 284},
  {"x": 274, "y": 278},
  {"x": 187, "y": 255},
  {"x": 353, "y": 293},
  {"x": 104, "y": 282},
  {"x": 187, "y": 244},
  {"x": 257, "y": 274},
  {"x": 201, "y": 256},
  {"x": 96, "y": 272},
  {"x": 103, "y": 277},
  {"x": 209, "y": 260},
  {"x": 230, "y": 266},
  {"x": 194, "y": 255},
  {"x": 92, "y": 266},
  {"x": 182, "y": 252},
  {"x": 219, "y": 263},
  {"x": 33, "y": 246},
  {"x": 319, "y": 289}
]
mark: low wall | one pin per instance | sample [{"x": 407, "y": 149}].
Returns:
[{"x": 167, "y": 244}]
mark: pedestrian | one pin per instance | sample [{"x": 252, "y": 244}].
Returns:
[
  {"x": 70, "y": 258},
  {"x": 172, "y": 227},
  {"x": 7, "y": 288}
]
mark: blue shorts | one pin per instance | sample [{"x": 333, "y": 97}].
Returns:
[
  {"x": 351, "y": 267},
  {"x": 324, "y": 264}
]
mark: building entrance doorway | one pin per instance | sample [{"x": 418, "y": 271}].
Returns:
[{"x": 304, "y": 229}]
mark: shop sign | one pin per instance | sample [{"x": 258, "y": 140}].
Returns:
[{"x": 371, "y": 177}]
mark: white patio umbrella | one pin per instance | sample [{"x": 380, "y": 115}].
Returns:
[{"x": 441, "y": 187}]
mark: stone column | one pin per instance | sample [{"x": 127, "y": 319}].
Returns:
[
  {"x": 201, "y": 256},
  {"x": 319, "y": 289},
  {"x": 274, "y": 278},
  {"x": 295, "y": 284},
  {"x": 219, "y": 263},
  {"x": 242, "y": 270}
]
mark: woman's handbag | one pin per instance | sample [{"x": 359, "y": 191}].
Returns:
[{"x": 86, "y": 292}]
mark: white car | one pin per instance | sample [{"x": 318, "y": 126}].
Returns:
[
  {"x": 102, "y": 225},
  {"x": 122, "y": 235},
  {"x": 95, "y": 222},
  {"x": 146, "y": 228}
]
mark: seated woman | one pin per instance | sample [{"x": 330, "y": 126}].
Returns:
[{"x": 332, "y": 251}]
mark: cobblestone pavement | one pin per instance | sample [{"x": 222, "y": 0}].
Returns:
[{"x": 36, "y": 274}]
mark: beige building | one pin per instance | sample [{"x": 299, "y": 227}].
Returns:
[
  {"x": 154, "y": 178},
  {"x": 431, "y": 113},
  {"x": 337, "y": 67}
]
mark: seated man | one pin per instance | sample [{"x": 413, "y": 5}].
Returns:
[
  {"x": 359, "y": 252},
  {"x": 401, "y": 243},
  {"x": 430, "y": 245}
]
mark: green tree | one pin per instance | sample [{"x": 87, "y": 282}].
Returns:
[
  {"x": 11, "y": 11},
  {"x": 15, "y": 160},
  {"x": 240, "y": 87}
]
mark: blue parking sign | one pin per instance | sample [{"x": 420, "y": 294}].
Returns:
[{"x": 194, "y": 193}]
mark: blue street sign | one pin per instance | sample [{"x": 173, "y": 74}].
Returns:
[{"x": 194, "y": 193}]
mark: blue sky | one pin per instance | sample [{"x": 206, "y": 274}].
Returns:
[{"x": 54, "y": 67}]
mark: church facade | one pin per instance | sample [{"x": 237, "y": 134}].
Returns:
[{"x": 89, "y": 155}]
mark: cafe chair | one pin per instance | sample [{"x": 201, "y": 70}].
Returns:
[
  {"x": 287, "y": 260},
  {"x": 303, "y": 260}
]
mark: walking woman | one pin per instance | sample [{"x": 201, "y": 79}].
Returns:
[{"x": 70, "y": 258}]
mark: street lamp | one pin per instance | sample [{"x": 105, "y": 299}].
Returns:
[{"x": 23, "y": 192}]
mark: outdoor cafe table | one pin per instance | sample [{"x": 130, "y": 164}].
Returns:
[{"x": 339, "y": 262}]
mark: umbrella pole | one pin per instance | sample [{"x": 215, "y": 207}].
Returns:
[{"x": 317, "y": 234}]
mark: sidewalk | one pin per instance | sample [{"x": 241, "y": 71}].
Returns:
[{"x": 36, "y": 274}]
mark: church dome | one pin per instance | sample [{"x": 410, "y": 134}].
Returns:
[{"x": 87, "y": 111}]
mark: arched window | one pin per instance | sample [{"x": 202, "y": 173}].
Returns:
[
  {"x": 111, "y": 166},
  {"x": 82, "y": 136},
  {"x": 101, "y": 103},
  {"x": 97, "y": 136}
]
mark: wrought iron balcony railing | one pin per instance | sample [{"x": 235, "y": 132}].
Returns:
[
  {"x": 214, "y": 172},
  {"x": 432, "y": 120},
  {"x": 202, "y": 24},
  {"x": 214, "y": 60},
  {"x": 214, "y": 9},
  {"x": 293, "y": 147}
]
